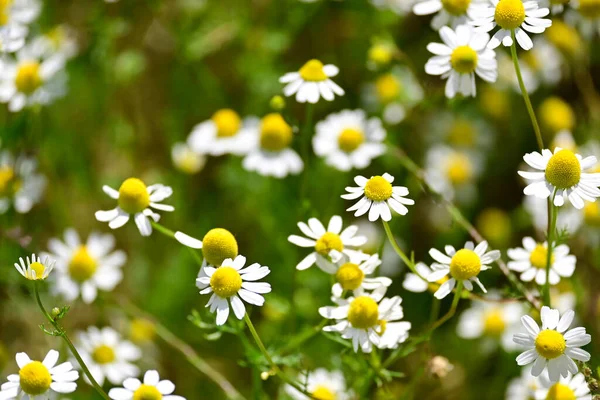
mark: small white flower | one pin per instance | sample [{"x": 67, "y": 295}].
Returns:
[
  {"x": 152, "y": 389},
  {"x": 449, "y": 12},
  {"x": 312, "y": 82},
  {"x": 37, "y": 380},
  {"x": 20, "y": 184},
  {"x": 378, "y": 196},
  {"x": 524, "y": 387},
  {"x": 452, "y": 172},
  {"x": 570, "y": 387},
  {"x": 186, "y": 160},
  {"x": 352, "y": 274},
  {"x": 553, "y": 347},
  {"x": 322, "y": 384},
  {"x": 16, "y": 17},
  {"x": 531, "y": 260},
  {"x": 584, "y": 14},
  {"x": 419, "y": 283},
  {"x": 135, "y": 198},
  {"x": 36, "y": 268},
  {"x": 58, "y": 40},
  {"x": 232, "y": 283}
]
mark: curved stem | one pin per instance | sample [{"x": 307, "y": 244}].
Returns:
[
  {"x": 551, "y": 228},
  {"x": 452, "y": 310},
  {"x": 398, "y": 250}
]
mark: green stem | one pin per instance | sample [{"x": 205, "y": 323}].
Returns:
[
  {"x": 305, "y": 137},
  {"x": 551, "y": 228},
  {"x": 398, "y": 250},
  {"x": 303, "y": 337},
  {"x": 452, "y": 310}
]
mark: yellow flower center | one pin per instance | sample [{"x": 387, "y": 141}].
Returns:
[
  {"x": 28, "y": 77},
  {"x": 465, "y": 264},
  {"x": 275, "y": 133},
  {"x": 217, "y": 245},
  {"x": 323, "y": 393},
  {"x": 459, "y": 169},
  {"x": 509, "y": 14},
  {"x": 82, "y": 266},
  {"x": 494, "y": 323},
  {"x": 378, "y": 189},
  {"x": 35, "y": 378},
  {"x": 313, "y": 71},
  {"x": 539, "y": 256},
  {"x": 563, "y": 170},
  {"x": 550, "y": 344},
  {"x": 557, "y": 115},
  {"x": 39, "y": 269},
  {"x": 226, "y": 282},
  {"x": 103, "y": 354},
  {"x": 589, "y": 8},
  {"x": 133, "y": 196},
  {"x": 363, "y": 313},
  {"x": 591, "y": 213},
  {"x": 564, "y": 37},
  {"x": 329, "y": 241},
  {"x": 227, "y": 121},
  {"x": 456, "y": 7},
  {"x": 5, "y": 11},
  {"x": 142, "y": 330},
  {"x": 464, "y": 59},
  {"x": 189, "y": 162},
  {"x": 350, "y": 139},
  {"x": 350, "y": 276},
  {"x": 388, "y": 88},
  {"x": 147, "y": 392},
  {"x": 558, "y": 391},
  {"x": 56, "y": 35},
  {"x": 380, "y": 54},
  {"x": 462, "y": 133},
  {"x": 7, "y": 181}
]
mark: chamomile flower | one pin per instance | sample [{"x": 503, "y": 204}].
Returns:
[
  {"x": 59, "y": 40},
  {"x": 322, "y": 384},
  {"x": 37, "y": 380},
  {"x": 217, "y": 245},
  {"x": 586, "y": 16},
  {"x": 462, "y": 265},
  {"x": 152, "y": 388},
  {"x": 514, "y": 17},
  {"x": 554, "y": 346},
  {"x": 107, "y": 355},
  {"x": 377, "y": 197},
  {"x": 83, "y": 268},
  {"x": 562, "y": 176},
  {"x": 452, "y": 172},
  {"x": 462, "y": 55},
  {"x": 186, "y": 160},
  {"x": 20, "y": 184},
  {"x": 352, "y": 274},
  {"x": 232, "y": 283},
  {"x": 348, "y": 140},
  {"x": 35, "y": 268},
  {"x": 449, "y": 12},
  {"x": 523, "y": 387},
  {"x": 531, "y": 260},
  {"x": 418, "y": 283},
  {"x": 16, "y": 15},
  {"x": 569, "y": 387},
  {"x": 312, "y": 82},
  {"x": 133, "y": 197}
]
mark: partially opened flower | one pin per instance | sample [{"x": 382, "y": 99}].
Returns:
[
  {"x": 571, "y": 387},
  {"x": 35, "y": 268},
  {"x": 352, "y": 275},
  {"x": 532, "y": 258},
  {"x": 217, "y": 245},
  {"x": 152, "y": 388},
  {"x": 312, "y": 82},
  {"x": 20, "y": 184},
  {"x": 322, "y": 384}
]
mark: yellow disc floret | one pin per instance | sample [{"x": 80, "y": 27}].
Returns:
[
  {"x": 350, "y": 139},
  {"x": 323, "y": 393},
  {"x": 550, "y": 344},
  {"x": 38, "y": 268},
  {"x": 378, "y": 189},
  {"x": 35, "y": 378},
  {"x": 147, "y": 392},
  {"x": 226, "y": 282},
  {"x": 133, "y": 196},
  {"x": 103, "y": 354},
  {"x": 28, "y": 78},
  {"x": 7, "y": 176},
  {"x": 557, "y": 115},
  {"x": 329, "y": 241},
  {"x": 456, "y": 7},
  {"x": 381, "y": 54},
  {"x": 363, "y": 313},
  {"x": 5, "y": 11},
  {"x": 539, "y": 257},
  {"x": 465, "y": 264},
  {"x": 494, "y": 323},
  {"x": 509, "y": 14},
  {"x": 558, "y": 391},
  {"x": 589, "y": 8},
  {"x": 388, "y": 88},
  {"x": 275, "y": 133},
  {"x": 591, "y": 213},
  {"x": 350, "y": 276},
  {"x": 82, "y": 266},
  {"x": 459, "y": 169},
  {"x": 219, "y": 244},
  {"x": 313, "y": 71},
  {"x": 227, "y": 121},
  {"x": 464, "y": 59},
  {"x": 563, "y": 170}
]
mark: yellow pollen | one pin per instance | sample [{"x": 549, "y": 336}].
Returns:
[
  {"x": 133, "y": 196},
  {"x": 557, "y": 115},
  {"x": 388, "y": 88},
  {"x": 539, "y": 256},
  {"x": 509, "y": 14},
  {"x": 378, "y": 189},
  {"x": 563, "y": 170},
  {"x": 350, "y": 276},
  {"x": 147, "y": 392},
  {"x": 275, "y": 133},
  {"x": 459, "y": 169},
  {"x": 558, "y": 391},
  {"x": 219, "y": 244},
  {"x": 313, "y": 71},
  {"x": 465, "y": 264},
  {"x": 7, "y": 181},
  {"x": 28, "y": 77},
  {"x": 329, "y": 241},
  {"x": 550, "y": 344},
  {"x": 564, "y": 37},
  {"x": 363, "y": 313},
  {"x": 39, "y": 269},
  {"x": 142, "y": 330},
  {"x": 494, "y": 323},
  {"x": 591, "y": 213},
  {"x": 323, "y": 393},
  {"x": 456, "y": 7},
  {"x": 350, "y": 139},
  {"x": 82, "y": 266},
  {"x": 462, "y": 133},
  {"x": 103, "y": 354},
  {"x": 35, "y": 379},
  {"x": 380, "y": 54},
  {"x": 589, "y": 8},
  {"x": 227, "y": 121},
  {"x": 464, "y": 59},
  {"x": 226, "y": 282}
]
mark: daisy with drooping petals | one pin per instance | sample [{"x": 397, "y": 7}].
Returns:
[
  {"x": 462, "y": 55},
  {"x": 571, "y": 387},
  {"x": 230, "y": 283},
  {"x": 322, "y": 384},
  {"x": 378, "y": 197},
  {"x": 312, "y": 82},
  {"x": 562, "y": 176},
  {"x": 325, "y": 240},
  {"x": 20, "y": 184},
  {"x": 151, "y": 389},
  {"x": 449, "y": 12},
  {"x": 352, "y": 274},
  {"x": 532, "y": 258},
  {"x": 462, "y": 265},
  {"x": 217, "y": 245},
  {"x": 39, "y": 379},
  {"x": 83, "y": 268},
  {"x": 135, "y": 198},
  {"x": 514, "y": 18},
  {"x": 553, "y": 347},
  {"x": 36, "y": 268},
  {"x": 348, "y": 140}
]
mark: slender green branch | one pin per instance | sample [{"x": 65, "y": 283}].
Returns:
[
  {"x": 399, "y": 251},
  {"x": 452, "y": 310},
  {"x": 552, "y": 214},
  {"x": 303, "y": 337}
]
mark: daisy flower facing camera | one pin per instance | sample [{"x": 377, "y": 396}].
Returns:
[
  {"x": 224, "y": 133},
  {"x": 561, "y": 175},
  {"x": 571, "y": 387},
  {"x": 352, "y": 274},
  {"x": 16, "y": 16},
  {"x": 151, "y": 389},
  {"x": 532, "y": 258},
  {"x": 462, "y": 55},
  {"x": 133, "y": 197},
  {"x": 217, "y": 245},
  {"x": 36, "y": 268},
  {"x": 554, "y": 346},
  {"x": 321, "y": 384},
  {"x": 312, "y": 82}
]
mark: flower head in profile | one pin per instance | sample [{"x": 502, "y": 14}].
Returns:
[
  {"x": 312, "y": 82},
  {"x": 449, "y": 12},
  {"x": 217, "y": 245},
  {"x": 531, "y": 260},
  {"x": 35, "y": 268},
  {"x": 137, "y": 199},
  {"x": 39, "y": 379},
  {"x": 353, "y": 275},
  {"x": 322, "y": 384},
  {"x": 152, "y": 388},
  {"x": 568, "y": 387},
  {"x": 20, "y": 184}
]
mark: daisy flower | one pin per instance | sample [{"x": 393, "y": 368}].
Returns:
[
  {"x": 531, "y": 259},
  {"x": 324, "y": 241},
  {"x": 61, "y": 39},
  {"x": 83, "y": 268},
  {"x": 561, "y": 175},
  {"x": 523, "y": 387},
  {"x": 449, "y": 12},
  {"x": 312, "y": 82},
  {"x": 352, "y": 274},
  {"x": 462, "y": 55},
  {"x": 348, "y": 140},
  {"x": 419, "y": 283},
  {"x": 514, "y": 18},
  {"x": 16, "y": 16},
  {"x": 39, "y": 379},
  {"x": 133, "y": 197},
  {"x": 232, "y": 283},
  {"x": 377, "y": 196},
  {"x": 585, "y": 16},
  {"x": 107, "y": 355},
  {"x": 20, "y": 184},
  {"x": 186, "y": 160},
  {"x": 36, "y": 268},
  {"x": 321, "y": 384},
  {"x": 552, "y": 347},
  {"x": 452, "y": 172},
  {"x": 570, "y": 387},
  {"x": 152, "y": 389},
  {"x": 462, "y": 265},
  {"x": 217, "y": 245}
]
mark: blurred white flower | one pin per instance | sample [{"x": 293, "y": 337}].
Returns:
[
  {"x": 186, "y": 160},
  {"x": 450, "y": 13},
  {"x": 20, "y": 184},
  {"x": 15, "y": 17},
  {"x": 322, "y": 384},
  {"x": 151, "y": 388},
  {"x": 452, "y": 172},
  {"x": 568, "y": 387}
]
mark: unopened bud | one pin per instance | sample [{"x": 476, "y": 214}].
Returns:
[
  {"x": 277, "y": 103},
  {"x": 264, "y": 375},
  {"x": 593, "y": 385},
  {"x": 55, "y": 312},
  {"x": 587, "y": 371}
]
